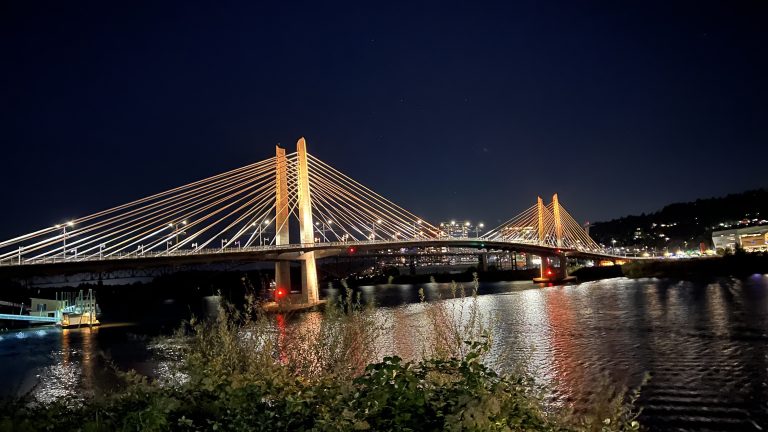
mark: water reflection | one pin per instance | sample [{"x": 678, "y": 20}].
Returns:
[{"x": 704, "y": 344}]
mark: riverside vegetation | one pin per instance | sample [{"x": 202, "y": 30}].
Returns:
[{"x": 243, "y": 371}]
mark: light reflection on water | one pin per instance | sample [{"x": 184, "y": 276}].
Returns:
[{"x": 704, "y": 344}]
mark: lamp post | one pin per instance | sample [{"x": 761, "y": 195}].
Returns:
[
  {"x": 64, "y": 237},
  {"x": 261, "y": 231},
  {"x": 373, "y": 229},
  {"x": 417, "y": 229},
  {"x": 175, "y": 226},
  {"x": 325, "y": 228},
  {"x": 477, "y": 229}
]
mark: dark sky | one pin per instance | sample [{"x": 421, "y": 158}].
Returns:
[{"x": 452, "y": 110}]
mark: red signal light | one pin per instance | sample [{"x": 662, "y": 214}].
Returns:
[
  {"x": 351, "y": 250},
  {"x": 549, "y": 272},
  {"x": 280, "y": 293}
]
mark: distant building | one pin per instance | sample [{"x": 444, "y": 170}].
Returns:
[
  {"x": 461, "y": 229},
  {"x": 751, "y": 239}
]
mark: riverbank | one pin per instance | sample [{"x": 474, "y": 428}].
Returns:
[{"x": 738, "y": 266}]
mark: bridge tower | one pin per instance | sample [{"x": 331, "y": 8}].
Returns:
[
  {"x": 558, "y": 221},
  {"x": 282, "y": 213},
  {"x": 309, "y": 291},
  {"x": 540, "y": 210}
]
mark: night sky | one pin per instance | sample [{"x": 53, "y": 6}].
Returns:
[{"x": 452, "y": 110}]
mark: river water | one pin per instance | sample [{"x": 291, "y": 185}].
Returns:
[{"x": 704, "y": 345}]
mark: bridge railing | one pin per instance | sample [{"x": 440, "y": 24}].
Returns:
[{"x": 262, "y": 249}]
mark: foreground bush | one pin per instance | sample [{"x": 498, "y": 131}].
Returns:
[{"x": 244, "y": 372}]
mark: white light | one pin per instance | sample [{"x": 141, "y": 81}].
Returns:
[
  {"x": 379, "y": 221},
  {"x": 184, "y": 222},
  {"x": 70, "y": 223}
]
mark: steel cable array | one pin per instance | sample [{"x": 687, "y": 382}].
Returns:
[{"x": 236, "y": 210}]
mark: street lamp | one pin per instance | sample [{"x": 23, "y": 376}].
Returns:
[
  {"x": 261, "y": 229},
  {"x": 477, "y": 229},
  {"x": 417, "y": 229},
  {"x": 175, "y": 226},
  {"x": 64, "y": 236},
  {"x": 322, "y": 228},
  {"x": 373, "y": 229}
]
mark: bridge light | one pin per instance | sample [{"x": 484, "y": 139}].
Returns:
[{"x": 351, "y": 250}]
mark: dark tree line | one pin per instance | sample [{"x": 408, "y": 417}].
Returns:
[{"x": 692, "y": 222}]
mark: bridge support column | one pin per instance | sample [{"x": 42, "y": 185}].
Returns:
[
  {"x": 282, "y": 233},
  {"x": 309, "y": 290},
  {"x": 482, "y": 262},
  {"x": 552, "y": 273}
]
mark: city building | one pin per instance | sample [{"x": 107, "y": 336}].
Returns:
[
  {"x": 461, "y": 229},
  {"x": 751, "y": 239}
]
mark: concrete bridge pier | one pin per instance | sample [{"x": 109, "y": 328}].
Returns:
[
  {"x": 482, "y": 262},
  {"x": 554, "y": 269}
]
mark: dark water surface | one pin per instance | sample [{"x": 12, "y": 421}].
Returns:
[{"x": 705, "y": 345}]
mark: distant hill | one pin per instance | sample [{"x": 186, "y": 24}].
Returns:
[{"x": 687, "y": 223}]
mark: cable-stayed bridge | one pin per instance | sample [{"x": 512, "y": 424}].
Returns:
[{"x": 226, "y": 217}]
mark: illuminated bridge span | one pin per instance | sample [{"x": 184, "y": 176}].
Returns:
[{"x": 225, "y": 217}]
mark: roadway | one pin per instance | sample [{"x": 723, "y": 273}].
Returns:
[{"x": 292, "y": 252}]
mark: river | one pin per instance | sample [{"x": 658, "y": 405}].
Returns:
[{"x": 705, "y": 345}]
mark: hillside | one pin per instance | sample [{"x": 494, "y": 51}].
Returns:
[{"x": 685, "y": 224}]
